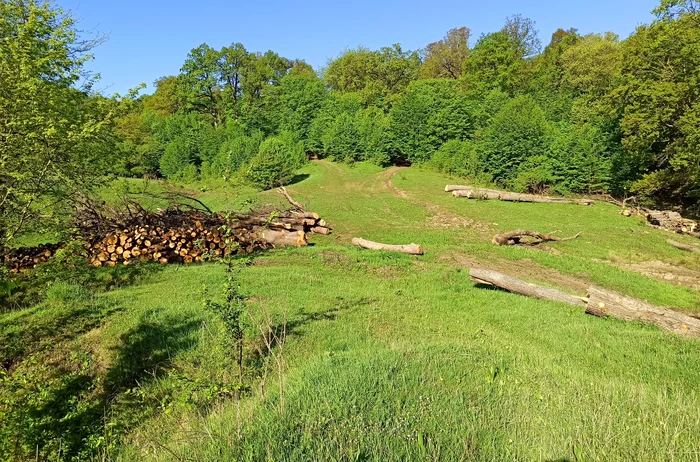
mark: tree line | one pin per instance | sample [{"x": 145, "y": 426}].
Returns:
[{"x": 585, "y": 113}]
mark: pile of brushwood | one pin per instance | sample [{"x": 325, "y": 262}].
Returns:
[{"x": 180, "y": 233}]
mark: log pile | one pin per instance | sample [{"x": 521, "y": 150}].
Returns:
[
  {"x": 21, "y": 259},
  {"x": 471, "y": 192},
  {"x": 176, "y": 236}
]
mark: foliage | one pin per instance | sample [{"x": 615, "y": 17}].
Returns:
[
  {"x": 276, "y": 161},
  {"x": 444, "y": 58},
  {"x": 56, "y": 137}
]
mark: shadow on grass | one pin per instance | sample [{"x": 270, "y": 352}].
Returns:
[
  {"x": 65, "y": 405},
  {"x": 276, "y": 331}
]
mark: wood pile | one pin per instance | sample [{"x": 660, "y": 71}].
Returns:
[
  {"x": 18, "y": 260},
  {"x": 176, "y": 236},
  {"x": 667, "y": 220}
]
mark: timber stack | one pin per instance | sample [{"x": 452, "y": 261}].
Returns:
[{"x": 176, "y": 236}]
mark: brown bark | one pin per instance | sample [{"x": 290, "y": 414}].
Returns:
[
  {"x": 518, "y": 286},
  {"x": 686, "y": 247},
  {"x": 492, "y": 194},
  {"x": 411, "y": 249},
  {"x": 321, "y": 230},
  {"x": 281, "y": 238},
  {"x": 604, "y": 302},
  {"x": 515, "y": 238}
]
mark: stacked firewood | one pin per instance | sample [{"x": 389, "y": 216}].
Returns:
[
  {"x": 666, "y": 219},
  {"x": 21, "y": 259},
  {"x": 176, "y": 236},
  {"x": 196, "y": 239}
]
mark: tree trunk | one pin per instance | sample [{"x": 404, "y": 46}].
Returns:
[
  {"x": 603, "y": 302},
  {"x": 492, "y": 194},
  {"x": 412, "y": 249},
  {"x": 517, "y": 286},
  {"x": 686, "y": 247},
  {"x": 514, "y": 238}
]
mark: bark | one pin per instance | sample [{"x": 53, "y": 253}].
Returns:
[
  {"x": 515, "y": 238},
  {"x": 604, "y": 302},
  {"x": 518, "y": 286},
  {"x": 492, "y": 194},
  {"x": 281, "y": 238},
  {"x": 411, "y": 249},
  {"x": 686, "y": 247},
  {"x": 321, "y": 230}
]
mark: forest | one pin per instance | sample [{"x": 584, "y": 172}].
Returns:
[{"x": 336, "y": 347}]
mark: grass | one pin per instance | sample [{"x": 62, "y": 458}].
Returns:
[{"x": 388, "y": 357}]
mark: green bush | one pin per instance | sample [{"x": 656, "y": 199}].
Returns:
[
  {"x": 457, "y": 158},
  {"x": 277, "y": 160}
]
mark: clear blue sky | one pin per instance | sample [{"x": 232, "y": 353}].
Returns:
[{"x": 151, "y": 38}]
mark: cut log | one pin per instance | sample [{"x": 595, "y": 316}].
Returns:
[
  {"x": 492, "y": 194},
  {"x": 281, "y": 238},
  {"x": 686, "y": 247},
  {"x": 604, "y": 302},
  {"x": 321, "y": 230},
  {"x": 518, "y": 286},
  {"x": 411, "y": 249},
  {"x": 515, "y": 238},
  {"x": 289, "y": 198}
]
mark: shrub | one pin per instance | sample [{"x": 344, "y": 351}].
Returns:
[
  {"x": 457, "y": 158},
  {"x": 277, "y": 160}
]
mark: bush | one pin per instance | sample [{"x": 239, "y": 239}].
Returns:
[
  {"x": 536, "y": 175},
  {"x": 518, "y": 131},
  {"x": 277, "y": 160},
  {"x": 457, "y": 158},
  {"x": 179, "y": 153}
]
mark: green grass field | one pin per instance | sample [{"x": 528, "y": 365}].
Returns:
[{"x": 387, "y": 357}]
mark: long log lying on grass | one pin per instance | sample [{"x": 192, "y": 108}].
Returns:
[
  {"x": 411, "y": 249},
  {"x": 686, "y": 247},
  {"x": 600, "y": 302},
  {"x": 283, "y": 238},
  {"x": 517, "y": 286},
  {"x": 515, "y": 238},
  {"x": 492, "y": 194},
  {"x": 603, "y": 302}
]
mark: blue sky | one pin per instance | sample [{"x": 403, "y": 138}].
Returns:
[{"x": 151, "y": 38}]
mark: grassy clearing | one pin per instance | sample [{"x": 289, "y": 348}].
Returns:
[{"x": 387, "y": 356}]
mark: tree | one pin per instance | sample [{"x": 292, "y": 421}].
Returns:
[
  {"x": 523, "y": 35},
  {"x": 378, "y": 76},
  {"x": 494, "y": 63},
  {"x": 593, "y": 64},
  {"x": 200, "y": 76},
  {"x": 444, "y": 58},
  {"x": 55, "y": 137},
  {"x": 659, "y": 99}
]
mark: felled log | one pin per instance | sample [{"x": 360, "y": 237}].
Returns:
[
  {"x": 492, "y": 194},
  {"x": 321, "y": 230},
  {"x": 686, "y": 247},
  {"x": 411, "y": 249},
  {"x": 518, "y": 286},
  {"x": 603, "y": 302},
  {"x": 515, "y": 238},
  {"x": 281, "y": 238}
]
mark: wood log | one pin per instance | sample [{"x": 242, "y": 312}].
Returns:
[
  {"x": 603, "y": 302},
  {"x": 492, "y": 194},
  {"x": 281, "y": 238},
  {"x": 411, "y": 249},
  {"x": 518, "y": 286},
  {"x": 515, "y": 238},
  {"x": 321, "y": 230},
  {"x": 686, "y": 247}
]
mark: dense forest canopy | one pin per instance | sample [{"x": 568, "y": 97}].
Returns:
[{"x": 582, "y": 114}]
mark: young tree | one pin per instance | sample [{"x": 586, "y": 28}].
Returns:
[{"x": 55, "y": 137}]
